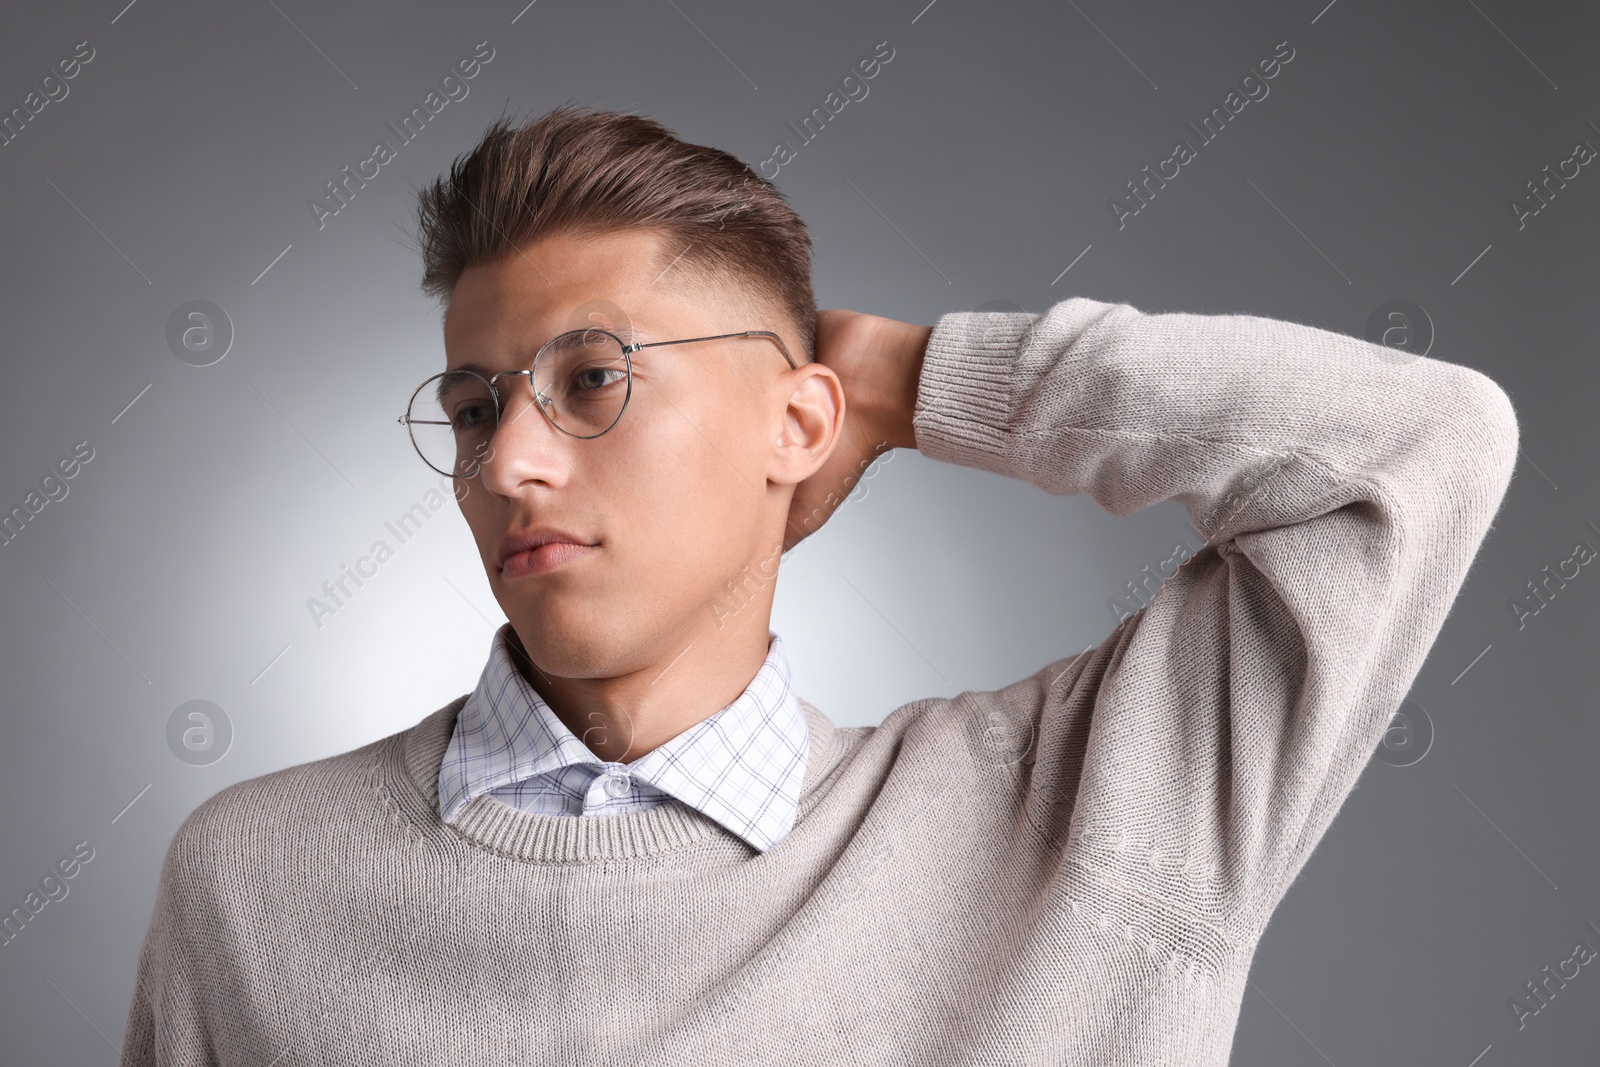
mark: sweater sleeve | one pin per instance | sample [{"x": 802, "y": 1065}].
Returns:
[
  {"x": 1342, "y": 492},
  {"x": 165, "y": 1025}
]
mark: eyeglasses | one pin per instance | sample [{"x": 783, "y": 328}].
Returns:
[{"x": 580, "y": 380}]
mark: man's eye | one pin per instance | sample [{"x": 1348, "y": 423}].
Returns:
[
  {"x": 594, "y": 378},
  {"x": 472, "y": 416}
]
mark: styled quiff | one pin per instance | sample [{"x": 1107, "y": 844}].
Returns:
[{"x": 575, "y": 170}]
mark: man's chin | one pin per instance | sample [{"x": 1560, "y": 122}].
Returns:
[{"x": 569, "y": 644}]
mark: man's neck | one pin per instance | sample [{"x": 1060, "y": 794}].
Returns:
[{"x": 624, "y": 717}]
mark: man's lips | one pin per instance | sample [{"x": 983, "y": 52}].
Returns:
[
  {"x": 543, "y": 558},
  {"x": 537, "y": 549},
  {"x": 533, "y": 536}
]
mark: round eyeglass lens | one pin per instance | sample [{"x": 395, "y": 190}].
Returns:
[
  {"x": 452, "y": 419},
  {"x": 582, "y": 380}
]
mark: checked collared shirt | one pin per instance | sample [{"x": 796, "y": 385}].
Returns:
[{"x": 742, "y": 766}]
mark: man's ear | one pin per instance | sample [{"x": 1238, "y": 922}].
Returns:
[{"x": 810, "y": 423}]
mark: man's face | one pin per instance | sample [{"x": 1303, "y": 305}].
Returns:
[{"x": 673, "y": 499}]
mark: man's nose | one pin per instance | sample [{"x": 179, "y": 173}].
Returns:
[{"x": 525, "y": 446}]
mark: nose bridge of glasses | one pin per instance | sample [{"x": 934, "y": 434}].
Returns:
[{"x": 509, "y": 393}]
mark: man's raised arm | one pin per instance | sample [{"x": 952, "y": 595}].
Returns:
[{"x": 1342, "y": 496}]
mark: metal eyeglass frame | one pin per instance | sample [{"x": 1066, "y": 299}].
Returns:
[{"x": 541, "y": 402}]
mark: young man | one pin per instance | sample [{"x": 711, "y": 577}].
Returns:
[{"x": 633, "y": 841}]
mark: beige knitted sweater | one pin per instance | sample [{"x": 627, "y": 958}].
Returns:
[{"x": 1075, "y": 868}]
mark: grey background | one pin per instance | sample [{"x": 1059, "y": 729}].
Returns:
[{"x": 977, "y": 168}]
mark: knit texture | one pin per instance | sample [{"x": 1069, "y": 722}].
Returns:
[
  {"x": 1074, "y": 868},
  {"x": 742, "y": 766}
]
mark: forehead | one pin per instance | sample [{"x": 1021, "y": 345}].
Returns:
[{"x": 629, "y": 282}]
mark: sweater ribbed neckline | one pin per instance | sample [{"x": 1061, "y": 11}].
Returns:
[{"x": 500, "y": 828}]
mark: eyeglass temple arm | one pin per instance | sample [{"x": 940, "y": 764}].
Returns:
[{"x": 717, "y": 337}]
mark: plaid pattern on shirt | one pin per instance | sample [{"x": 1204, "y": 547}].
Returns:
[{"x": 742, "y": 766}]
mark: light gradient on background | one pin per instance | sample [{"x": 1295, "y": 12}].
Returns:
[{"x": 975, "y": 173}]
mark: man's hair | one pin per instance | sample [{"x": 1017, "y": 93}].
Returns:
[{"x": 575, "y": 170}]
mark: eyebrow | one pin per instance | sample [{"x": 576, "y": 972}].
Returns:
[{"x": 630, "y": 334}]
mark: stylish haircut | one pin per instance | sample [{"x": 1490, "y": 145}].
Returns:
[{"x": 575, "y": 170}]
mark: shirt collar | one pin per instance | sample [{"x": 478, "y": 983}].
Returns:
[{"x": 742, "y": 766}]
